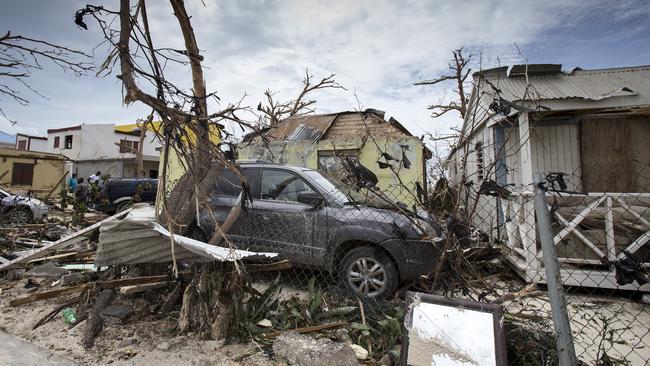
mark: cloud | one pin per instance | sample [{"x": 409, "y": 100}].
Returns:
[{"x": 377, "y": 49}]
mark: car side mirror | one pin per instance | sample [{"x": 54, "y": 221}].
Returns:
[{"x": 310, "y": 198}]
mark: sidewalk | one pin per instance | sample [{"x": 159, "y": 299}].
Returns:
[{"x": 16, "y": 352}]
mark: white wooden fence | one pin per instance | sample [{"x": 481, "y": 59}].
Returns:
[{"x": 526, "y": 257}]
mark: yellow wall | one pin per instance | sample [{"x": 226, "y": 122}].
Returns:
[
  {"x": 304, "y": 153},
  {"x": 175, "y": 166},
  {"x": 48, "y": 170}
]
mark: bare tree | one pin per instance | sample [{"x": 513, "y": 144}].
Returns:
[
  {"x": 275, "y": 111},
  {"x": 186, "y": 126},
  {"x": 20, "y": 56},
  {"x": 460, "y": 70}
]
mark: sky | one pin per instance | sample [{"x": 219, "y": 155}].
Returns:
[{"x": 377, "y": 49}]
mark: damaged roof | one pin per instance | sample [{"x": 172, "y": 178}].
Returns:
[
  {"x": 314, "y": 127},
  {"x": 548, "y": 82}
]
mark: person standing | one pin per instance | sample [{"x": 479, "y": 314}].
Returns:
[
  {"x": 72, "y": 183},
  {"x": 94, "y": 179}
]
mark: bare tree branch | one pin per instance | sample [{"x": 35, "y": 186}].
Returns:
[
  {"x": 20, "y": 55},
  {"x": 459, "y": 72}
]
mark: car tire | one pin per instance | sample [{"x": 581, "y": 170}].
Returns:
[
  {"x": 368, "y": 271},
  {"x": 20, "y": 215},
  {"x": 195, "y": 232},
  {"x": 123, "y": 206}
]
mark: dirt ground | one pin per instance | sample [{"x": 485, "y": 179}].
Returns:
[{"x": 144, "y": 342}]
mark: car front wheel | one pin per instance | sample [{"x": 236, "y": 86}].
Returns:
[
  {"x": 20, "y": 215},
  {"x": 369, "y": 272}
]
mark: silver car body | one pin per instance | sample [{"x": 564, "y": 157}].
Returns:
[{"x": 9, "y": 201}]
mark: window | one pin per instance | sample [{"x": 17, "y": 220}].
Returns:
[
  {"x": 330, "y": 161},
  {"x": 280, "y": 185},
  {"x": 68, "y": 142},
  {"x": 57, "y": 140},
  {"x": 479, "y": 160},
  {"x": 22, "y": 174},
  {"x": 153, "y": 174},
  {"x": 127, "y": 146},
  {"x": 228, "y": 184},
  {"x": 22, "y": 145}
]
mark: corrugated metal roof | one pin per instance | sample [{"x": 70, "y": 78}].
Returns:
[
  {"x": 138, "y": 239},
  {"x": 304, "y": 132},
  {"x": 593, "y": 85},
  {"x": 318, "y": 124}
]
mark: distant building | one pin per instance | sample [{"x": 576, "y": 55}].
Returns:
[
  {"x": 105, "y": 147},
  {"x": 7, "y": 140},
  {"x": 30, "y": 143},
  {"x": 36, "y": 172}
]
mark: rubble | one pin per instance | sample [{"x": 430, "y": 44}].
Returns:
[
  {"x": 47, "y": 270},
  {"x": 298, "y": 349},
  {"x": 115, "y": 314}
]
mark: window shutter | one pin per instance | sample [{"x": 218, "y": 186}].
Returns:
[
  {"x": 57, "y": 139},
  {"x": 22, "y": 174}
]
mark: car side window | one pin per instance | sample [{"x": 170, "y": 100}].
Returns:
[
  {"x": 228, "y": 184},
  {"x": 280, "y": 185}
]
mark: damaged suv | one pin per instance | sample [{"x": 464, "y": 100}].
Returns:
[{"x": 313, "y": 220}]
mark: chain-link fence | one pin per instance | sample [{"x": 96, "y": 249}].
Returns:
[
  {"x": 600, "y": 230},
  {"x": 349, "y": 250}
]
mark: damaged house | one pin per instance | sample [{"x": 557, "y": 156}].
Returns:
[
  {"x": 588, "y": 133},
  {"x": 323, "y": 141}
]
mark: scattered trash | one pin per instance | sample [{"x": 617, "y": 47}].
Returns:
[
  {"x": 69, "y": 317},
  {"x": 360, "y": 352}
]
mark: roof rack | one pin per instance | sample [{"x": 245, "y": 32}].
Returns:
[{"x": 252, "y": 161}]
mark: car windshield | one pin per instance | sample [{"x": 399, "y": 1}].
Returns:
[{"x": 344, "y": 194}]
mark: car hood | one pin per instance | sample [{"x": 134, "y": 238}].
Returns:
[
  {"x": 15, "y": 200},
  {"x": 385, "y": 220}
]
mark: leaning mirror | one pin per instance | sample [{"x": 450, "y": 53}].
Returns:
[{"x": 452, "y": 332}]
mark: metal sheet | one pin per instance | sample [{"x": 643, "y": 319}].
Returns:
[{"x": 139, "y": 239}]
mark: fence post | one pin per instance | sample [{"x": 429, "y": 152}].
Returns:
[{"x": 564, "y": 338}]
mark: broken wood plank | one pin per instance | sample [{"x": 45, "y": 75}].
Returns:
[
  {"x": 61, "y": 243},
  {"x": 55, "y": 186},
  {"x": 134, "y": 289},
  {"x": 64, "y": 255},
  {"x": 277, "y": 266},
  {"x": 310, "y": 329},
  {"x": 76, "y": 289}
]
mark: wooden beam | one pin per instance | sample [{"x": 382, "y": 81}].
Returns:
[
  {"x": 91, "y": 285},
  {"x": 310, "y": 329},
  {"x": 56, "y": 185},
  {"x": 277, "y": 266},
  {"x": 135, "y": 289}
]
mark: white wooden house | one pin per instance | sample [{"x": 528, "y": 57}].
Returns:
[{"x": 591, "y": 125}]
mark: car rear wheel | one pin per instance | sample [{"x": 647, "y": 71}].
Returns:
[
  {"x": 196, "y": 233},
  {"x": 123, "y": 206},
  {"x": 369, "y": 272},
  {"x": 20, "y": 215}
]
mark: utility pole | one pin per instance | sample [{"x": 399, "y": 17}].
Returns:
[{"x": 564, "y": 339}]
